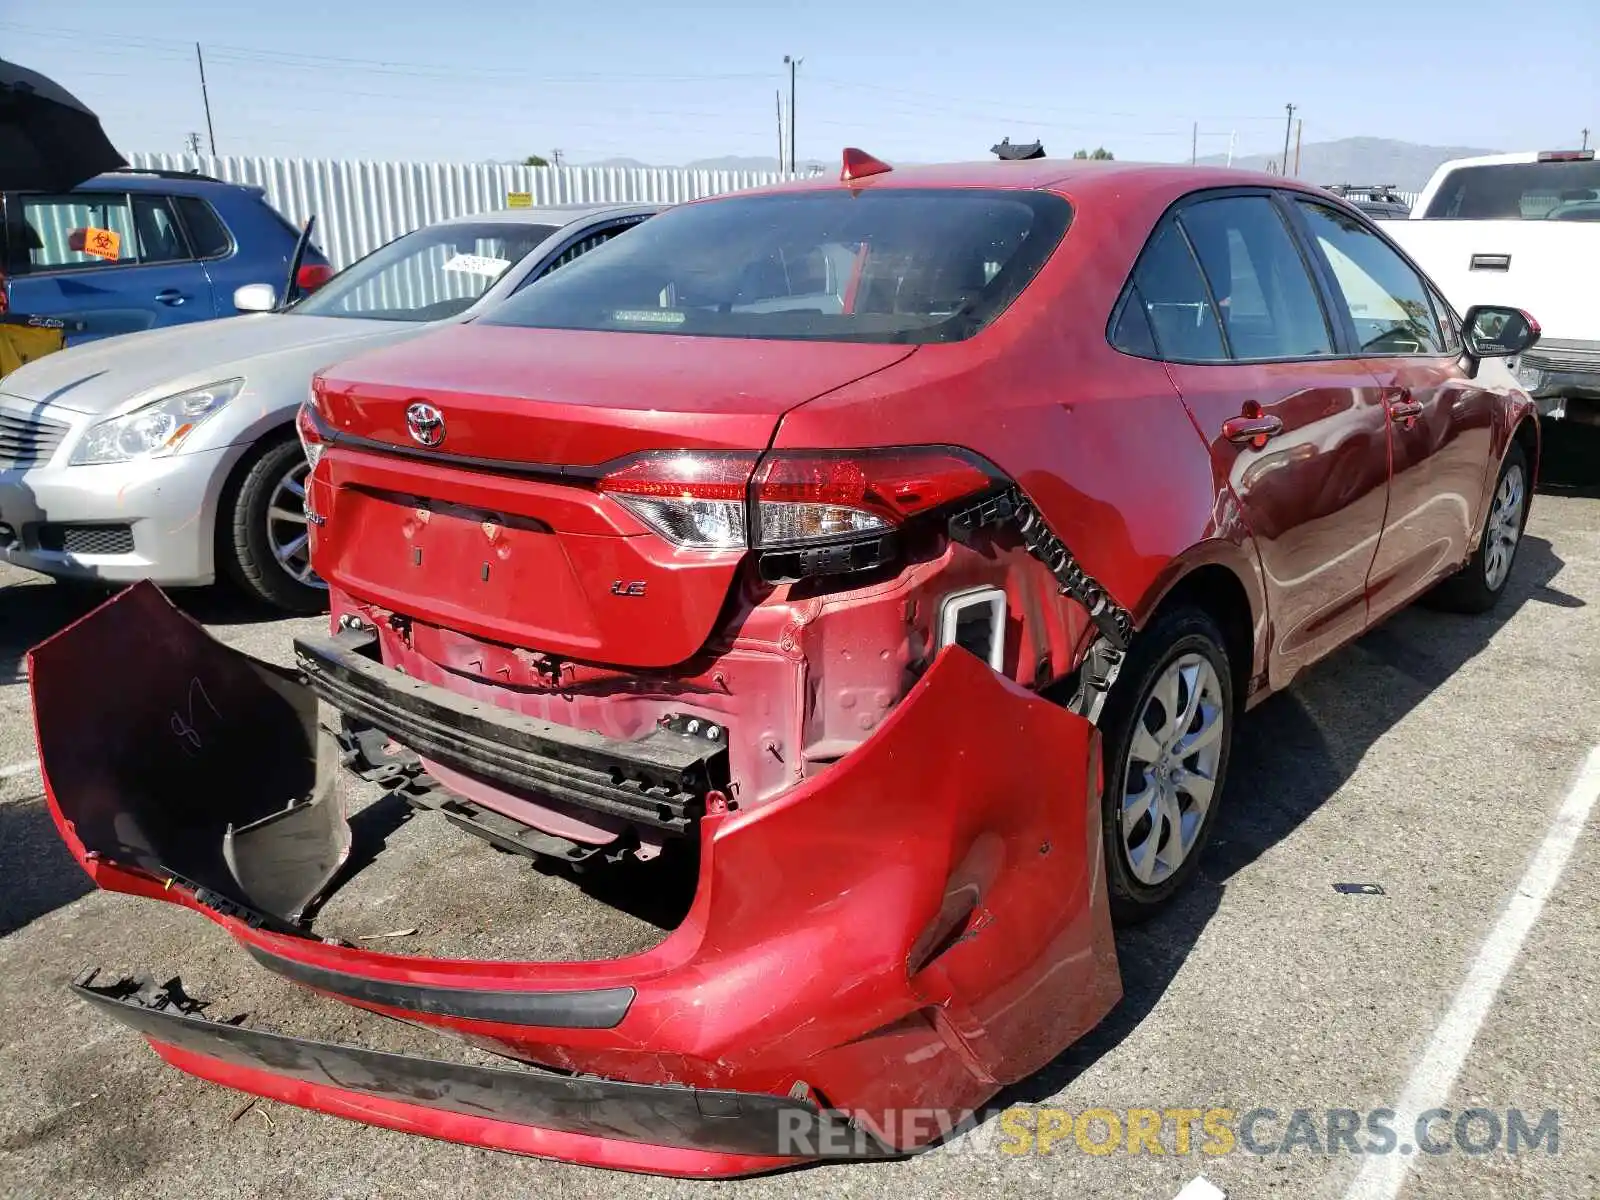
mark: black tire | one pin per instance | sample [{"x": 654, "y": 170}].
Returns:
[
  {"x": 1172, "y": 636},
  {"x": 1469, "y": 589},
  {"x": 244, "y": 545}
]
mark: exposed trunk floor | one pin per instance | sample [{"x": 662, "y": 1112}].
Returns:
[{"x": 466, "y": 899}]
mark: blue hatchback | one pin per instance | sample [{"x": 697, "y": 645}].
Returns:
[{"x": 138, "y": 250}]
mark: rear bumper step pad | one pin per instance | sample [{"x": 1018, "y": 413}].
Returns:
[
  {"x": 710, "y": 1125},
  {"x": 602, "y": 1008},
  {"x": 661, "y": 780}
]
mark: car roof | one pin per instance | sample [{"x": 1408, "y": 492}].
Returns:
[
  {"x": 553, "y": 214},
  {"x": 1078, "y": 177},
  {"x": 134, "y": 180}
]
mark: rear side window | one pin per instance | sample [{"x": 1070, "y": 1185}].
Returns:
[
  {"x": 1131, "y": 332},
  {"x": 160, "y": 239},
  {"x": 1536, "y": 191},
  {"x": 207, "y": 234},
  {"x": 1258, "y": 279},
  {"x": 1168, "y": 284},
  {"x": 901, "y": 265}
]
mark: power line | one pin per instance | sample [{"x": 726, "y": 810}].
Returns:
[{"x": 297, "y": 60}]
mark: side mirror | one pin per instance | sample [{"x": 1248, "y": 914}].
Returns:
[
  {"x": 1495, "y": 331},
  {"x": 256, "y": 297}
]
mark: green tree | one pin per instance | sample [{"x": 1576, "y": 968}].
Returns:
[
  {"x": 533, "y": 160},
  {"x": 1099, "y": 154}
]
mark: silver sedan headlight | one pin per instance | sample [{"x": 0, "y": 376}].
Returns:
[{"x": 155, "y": 430}]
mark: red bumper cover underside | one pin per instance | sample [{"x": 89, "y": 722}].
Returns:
[{"x": 911, "y": 929}]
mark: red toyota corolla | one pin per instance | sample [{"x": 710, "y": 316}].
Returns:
[{"x": 890, "y": 558}]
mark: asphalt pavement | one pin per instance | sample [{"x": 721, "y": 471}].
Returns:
[{"x": 1440, "y": 758}]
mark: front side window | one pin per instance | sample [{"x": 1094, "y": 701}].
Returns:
[
  {"x": 427, "y": 275},
  {"x": 1536, "y": 191},
  {"x": 907, "y": 265},
  {"x": 84, "y": 229},
  {"x": 1387, "y": 300},
  {"x": 1262, "y": 288}
]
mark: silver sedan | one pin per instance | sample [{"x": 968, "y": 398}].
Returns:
[{"x": 170, "y": 455}]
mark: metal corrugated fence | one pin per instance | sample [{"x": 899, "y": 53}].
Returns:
[{"x": 361, "y": 205}]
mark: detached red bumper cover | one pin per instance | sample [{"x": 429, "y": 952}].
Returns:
[{"x": 906, "y": 932}]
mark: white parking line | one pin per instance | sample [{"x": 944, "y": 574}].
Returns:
[
  {"x": 21, "y": 768},
  {"x": 1383, "y": 1176},
  {"x": 1201, "y": 1188}
]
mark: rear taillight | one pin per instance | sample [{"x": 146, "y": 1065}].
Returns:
[
  {"x": 705, "y": 500},
  {"x": 311, "y": 276},
  {"x": 305, "y": 424},
  {"x": 812, "y": 496},
  {"x": 691, "y": 499}
]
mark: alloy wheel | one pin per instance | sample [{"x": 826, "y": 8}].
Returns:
[
  {"x": 1174, "y": 751},
  {"x": 1504, "y": 529},
  {"x": 287, "y": 532}
]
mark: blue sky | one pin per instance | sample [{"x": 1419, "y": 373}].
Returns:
[{"x": 681, "y": 79}]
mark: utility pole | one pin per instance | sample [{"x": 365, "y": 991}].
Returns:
[
  {"x": 1288, "y": 128},
  {"x": 193, "y": 142},
  {"x": 555, "y": 158},
  {"x": 1585, "y": 139},
  {"x": 1298, "y": 126},
  {"x": 792, "y": 64},
  {"x": 205, "y": 98},
  {"x": 777, "y": 94},
  {"x": 1232, "y": 133},
  {"x": 1194, "y": 144}
]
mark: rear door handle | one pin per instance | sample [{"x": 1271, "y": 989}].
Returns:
[
  {"x": 1252, "y": 430},
  {"x": 172, "y": 297}
]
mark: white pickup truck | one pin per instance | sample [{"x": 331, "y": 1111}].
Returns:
[{"x": 1523, "y": 230}]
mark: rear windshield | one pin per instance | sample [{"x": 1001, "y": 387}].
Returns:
[
  {"x": 1536, "y": 191},
  {"x": 881, "y": 265}
]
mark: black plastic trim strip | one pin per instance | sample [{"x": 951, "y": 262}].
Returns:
[
  {"x": 714, "y": 1121},
  {"x": 600, "y": 1008}
]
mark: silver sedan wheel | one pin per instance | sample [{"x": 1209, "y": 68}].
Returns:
[
  {"x": 1505, "y": 528},
  {"x": 287, "y": 532},
  {"x": 1173, "y": 754}
]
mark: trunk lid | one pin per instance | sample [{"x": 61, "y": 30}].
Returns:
[{"x": 496, "y": 530}]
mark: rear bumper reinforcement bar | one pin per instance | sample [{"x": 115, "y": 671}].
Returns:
[
  {"x": 661, "y": 780},
  {"x": 682, "y": 1130}
]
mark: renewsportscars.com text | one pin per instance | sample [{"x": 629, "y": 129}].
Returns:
[{"x": 1029, "y": 1130}]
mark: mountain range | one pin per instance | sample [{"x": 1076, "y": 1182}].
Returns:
[{"x": 1360, "y": 160}]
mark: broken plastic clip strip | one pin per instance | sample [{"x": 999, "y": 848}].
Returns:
[{"x": 1104, "y": 658}]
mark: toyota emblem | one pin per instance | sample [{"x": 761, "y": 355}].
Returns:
[{"x": 425, "y": 423}]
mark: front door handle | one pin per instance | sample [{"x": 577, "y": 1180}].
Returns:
[
  {"x": 1253, "y": 431},
  {"x": 1404, "y": 410},
  {"x": 172, "y": 297}
]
